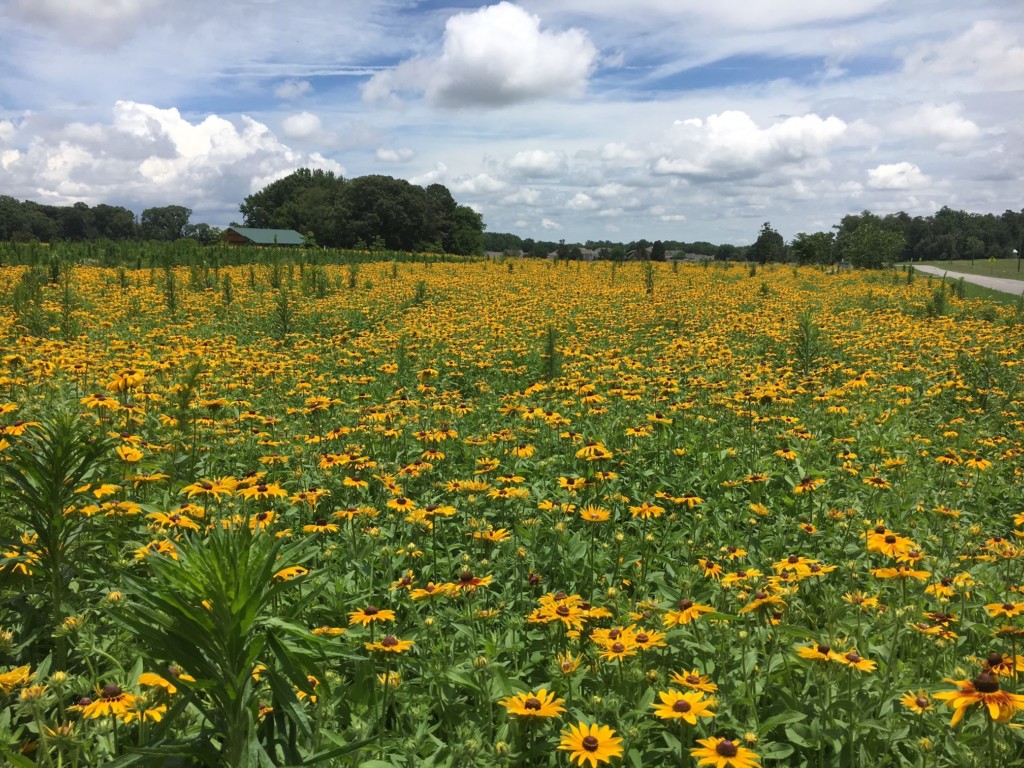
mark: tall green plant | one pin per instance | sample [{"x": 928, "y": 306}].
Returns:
[
  {"x": 224, "y": 606},
  {"x": 45, "y": 465}
]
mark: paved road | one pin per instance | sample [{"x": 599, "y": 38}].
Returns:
[{"x": 1003, "y": 284}]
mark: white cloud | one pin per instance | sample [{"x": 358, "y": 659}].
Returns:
[
  {"x": 581, "y": 201},
  {"x": 386, "y": 155},
  {"x": 944, "y": 121},
  {"x": 523, "y": 196},
  {"x": 6, "y": 131},
  {"x": 537, "y": 163},
  {"x": 304, "y": 125},
  {"x": 293, "y": 89},
  {"x": 897, "y": 176},
  {"x": 731, "y": 145},
  {"x": 988, "y": 52},
  {"x": 493, "y": 57},
  {"x": 437, "y": 175},
  {"x": 479, "y": 184},
  {"x": 93, "y": 22},
  {"x": 550, "y": 224},
  {"x": 147, "y": 155}
]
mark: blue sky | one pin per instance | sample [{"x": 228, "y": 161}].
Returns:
[{"x": 575, "y": 119}]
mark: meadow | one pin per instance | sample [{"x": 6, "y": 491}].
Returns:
[{"x": 508, "y": 513}]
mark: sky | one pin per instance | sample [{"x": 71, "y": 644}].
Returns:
[{"x": 555, "y": 119}]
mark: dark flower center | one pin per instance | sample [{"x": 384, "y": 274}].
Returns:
[
  {"x": 853, "y": 657},
  {"x": 994, "y": 659},
  {"x": 618, "y": 647},
  {"x": 111, "y": 691},
  {"x": 986, "y": 682},
  {"x": 692, "y": 679},
  {"x": 532, "y": 703},
  {"x": 1007, "y": 606},
  {"x": 563, "y": 610},
  {"x": 466, "y": 577},
  {"x": 760, "y": 595},
  {"x": 685, "y": 605},
  {"x": 371, "y": 610},
  {"x": 726, "y": 748},
  {"x": 793, "y": 560},
  {"x": 389, "y": 642},
  {"x": 824, "y": 650},
  {"x": 614, "y": 634},
  {"x": 890, "y": 539},
  {"x": 590, "y": 743},
  {"x": 921, "y": 701},
  {"x": 682, "y": 706},
  {"x": 642, "y": 638},
  {"x": 320, "y": 523}
]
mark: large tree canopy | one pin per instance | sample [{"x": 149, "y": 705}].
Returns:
[{"x": 366, "y": 211}]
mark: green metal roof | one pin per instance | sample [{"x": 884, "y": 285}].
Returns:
[{"x": 269, "y": 236}]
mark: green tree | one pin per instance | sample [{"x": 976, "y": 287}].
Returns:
[
  {"x": 869, "y": 246},
  {"x": 467, "y": 232},
  {"x": 816, "y": 248},
  {"x": 165, "y": 223},
  {"x": 769, "y": 245}
]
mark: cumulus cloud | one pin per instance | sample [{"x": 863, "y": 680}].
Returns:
[
  {"x": 944, "y": 121},
  {"x": 897, "y": 176},
  {"x": 304, "y": 125},
  {"x": 581, "y": 201},
  {"x": 293, "y": 89},
  {"x": 550, "y": 224},
  {"x": 493, "y": 57},
  {"x": 537, "y": 162},
  {"x": 148, "y": 155},
  {"x": 386, "y": 155},
  {"x": 479, "y": 184},
  {"x": 731, "y": 145},
  {"x": 523, "y": 196},
  {"x": 987, "y": 52},
  {"x": 6, "y": 131},
  {"x": 437, "y": 175}
]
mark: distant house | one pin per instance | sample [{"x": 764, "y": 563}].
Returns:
[{"x": 254, "y": 236}]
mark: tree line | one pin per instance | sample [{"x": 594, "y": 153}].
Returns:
[
  {"x": 27, "y": 221},
  {"x": 862, "y": 240},
  {"x": 366, "y": 212},
  {"x": 363, "y": 213}
]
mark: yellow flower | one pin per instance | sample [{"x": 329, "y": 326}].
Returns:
[
  {"x": 533, "y": 705},
  {"x": 370, "y": 614},
  {"x": 724, "y": 753},
  {"x": 984, "y": 690},
  {"x": 593, "y": 744},
  {"x": 683, "y": 706}
]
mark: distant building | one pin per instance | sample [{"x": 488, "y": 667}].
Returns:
[{"x": 254, "y": 236}]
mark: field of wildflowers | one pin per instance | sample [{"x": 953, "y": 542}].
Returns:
[{"x": 508, "y": 514}]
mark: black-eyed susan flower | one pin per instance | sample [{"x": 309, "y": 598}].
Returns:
[
  {"x": 533, "y": 705},
  {"x": 369, "y": 615},
  {"x": 687, "y": 706},
  {"x": 685, "y": 612},
  {"x": 917, "y": 702},
  {"x": 390, "y": 644},
  {"x": 983, "y": 690},
  {"x": 591, "y": 744},
  {"x": 724, "y": 753}
]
